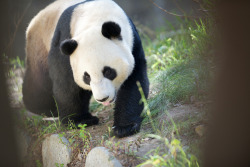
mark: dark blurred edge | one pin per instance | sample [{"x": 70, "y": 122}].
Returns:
[
  {"x": 228, "y": 143},
  {"x": 8, "y": 151}
]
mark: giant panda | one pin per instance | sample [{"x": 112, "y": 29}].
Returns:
[{"x": 79, "y": 48}]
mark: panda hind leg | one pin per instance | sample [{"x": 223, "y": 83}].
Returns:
[{"x": 38, "y": 99}]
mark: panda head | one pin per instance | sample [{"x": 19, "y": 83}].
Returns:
[{"x": 101, "y": 60}]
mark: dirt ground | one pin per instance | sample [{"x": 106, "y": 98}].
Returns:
[{"x": 132, "y": 150}]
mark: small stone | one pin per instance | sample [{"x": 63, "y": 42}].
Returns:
[
  {"x": 147, "y": 139},
  {"x": 100, "y": 156},
  {"x": 80, "y": 156},
  {"x": 56, "y": 151}
]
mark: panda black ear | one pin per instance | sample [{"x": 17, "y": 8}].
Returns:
[
  {"x": 111, "y": 30},
  {"x": 68, "y": 46}
]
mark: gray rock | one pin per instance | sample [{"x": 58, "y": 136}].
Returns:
[
  {"x": 100, "y": 156},
  {"x": 147, "y": 145},
  {"x": 56, "y": 150}
]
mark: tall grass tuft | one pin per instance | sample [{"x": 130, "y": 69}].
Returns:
[
  {"x": 180, "y": 66},
  {"x": 174, "y": 154}
]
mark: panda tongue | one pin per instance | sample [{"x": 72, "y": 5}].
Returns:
[{"x": 105, "y": 103}]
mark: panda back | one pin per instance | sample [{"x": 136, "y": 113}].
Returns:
[{"x": 43, "y": 25}]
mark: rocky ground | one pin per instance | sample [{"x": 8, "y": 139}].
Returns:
[{"x": 44, "y": 149}]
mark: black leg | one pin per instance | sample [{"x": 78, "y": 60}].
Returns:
[
  {"x": 72, "y": 101},
  {"x": 37, "y": 93},
  {"x": 73, "y": 104},
  {"x": 127, "y": 120}
]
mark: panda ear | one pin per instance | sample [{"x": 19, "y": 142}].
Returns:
[
  {"x": 111, "y": 30},
  {"x": 68, "y": 46}
]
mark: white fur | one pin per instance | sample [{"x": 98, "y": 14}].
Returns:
[
  {"x": 94, "y": 51},
  {"x": 47, "y": 19}
]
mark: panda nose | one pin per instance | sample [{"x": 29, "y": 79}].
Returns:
[{"x": 104, "y": 99}]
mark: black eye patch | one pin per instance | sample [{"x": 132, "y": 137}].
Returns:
[
  {"x": 109, "y": 73},
  {"x": 111, "y": 30},
  {"x": 86, "y": 78}
]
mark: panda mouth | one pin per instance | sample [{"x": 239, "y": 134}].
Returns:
[{"x": 109, "y": 102}]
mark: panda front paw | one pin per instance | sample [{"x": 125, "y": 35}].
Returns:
[
  {"x": 123, "y": 131},
  {"x": 93, "y": 120}
]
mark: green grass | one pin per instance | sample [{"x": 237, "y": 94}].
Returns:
[
  {"x": 173, "y": 153},
  {"x": 180, "y": 66},
  {"x": 175, "y": 156}
]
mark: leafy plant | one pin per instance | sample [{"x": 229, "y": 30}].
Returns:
[
  {"x": 175, "y": 155},
  {"x": 83, "y": 134},
  {"x": 17, "y": 62},
  {"x": 59, "y": 165},
  {"x": 180, "y": 66},
  {"x": 38, "y": 163}
]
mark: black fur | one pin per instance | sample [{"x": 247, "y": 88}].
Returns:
[
  {"x": 37, "y": 94},
  {"x": 127, "y": 119},
  {"x": 103, "y": 100},
  {"x": 111, "y": 30},
  {"x": 86, "y": 78},
  {"x": 73, "y": 101},
  {"x": 109, "y": 73},
  {"x": 68, "y": 46}
]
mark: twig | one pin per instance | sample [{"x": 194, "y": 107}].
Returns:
[
  {"x": 178, "y": 6},
  {"x": 202, "y": 9},
  {"x": 174, "y": 14}
]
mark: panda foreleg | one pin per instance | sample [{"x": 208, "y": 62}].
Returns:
[
  {"x": 127, "y": 119},
  {"x": 73, "y": 105},
  {"x": 87, "y": 118},
  {"x": 71, "y": 100}
]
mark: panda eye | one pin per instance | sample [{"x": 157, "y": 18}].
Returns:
[
  {"x": 86, "y": 78},
  {"x": 109, "y": 73}
]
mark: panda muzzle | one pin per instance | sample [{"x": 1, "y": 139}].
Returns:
[{"x": 107, "y": 103}]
